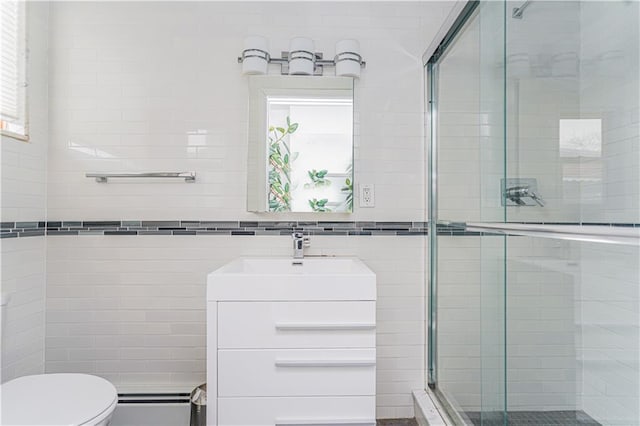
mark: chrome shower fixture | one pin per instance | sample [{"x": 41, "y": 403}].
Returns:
[
  {"x": 519, "y": 11},
  {"x": 520, "y": 192}
]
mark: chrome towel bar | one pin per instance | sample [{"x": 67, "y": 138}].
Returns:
[{"x": 103, "y": 177}]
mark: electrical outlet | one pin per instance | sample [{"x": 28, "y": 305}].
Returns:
[{"x": 367, "y": 195}]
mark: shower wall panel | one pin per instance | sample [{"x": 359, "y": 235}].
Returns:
[
  {"x": 609, "y": 91},
  {"x": 608, "y": 303},
  {"x": 542, "y": 85}
]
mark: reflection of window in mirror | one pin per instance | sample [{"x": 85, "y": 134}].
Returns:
[
  {"x": 310, "y": 153},
  {"x": 300, "y": 147},
  {"x": 581, "y": 155}
]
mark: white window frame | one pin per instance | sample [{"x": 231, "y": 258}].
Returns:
[{"x": 18, "y": 127}]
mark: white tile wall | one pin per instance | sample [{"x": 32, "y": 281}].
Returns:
[
  {"x": 23, "y": 164},
  {"x": 132, "y": 309},
  {"x": 459, "y": 327},
  {"x": 609, "y": 359},
  {"x": 572, "y": 339},
  {"x": 458, "y": 109},
  {"x": 22, "y": 198},
  {"x": 123, "y": 100},
  {"x": 609, "y": 88},
  {"x": 541, "y": 335},
  {"x": 129, "y": 81},
  {"x": 538, "y": 96},
  {"x": 471, "y": 122},
  {"x": 23, "y": 329},
  {"x": 541, "y": 346},
  {"x": 606, "y": 87}
]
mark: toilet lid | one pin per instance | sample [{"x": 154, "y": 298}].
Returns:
[{"x": 55, "y": 399}]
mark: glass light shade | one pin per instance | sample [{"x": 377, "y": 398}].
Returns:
[
  {"x": 348, "y": 58},
  {"x": 255, "y": 55},
  {"x": 301, "y": 56}
]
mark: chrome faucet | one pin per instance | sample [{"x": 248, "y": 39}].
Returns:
[{"x": 299, "y": 243}]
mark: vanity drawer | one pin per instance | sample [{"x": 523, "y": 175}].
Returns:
[
  {"x": 296, "y": 372},
  {"x": 296, "y": 324},
  {"x": 308, "y": 411}
]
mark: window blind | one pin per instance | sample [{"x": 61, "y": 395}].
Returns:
[
  {"x": 12, "y": 67},
  {"x": 9, "y": 60}
]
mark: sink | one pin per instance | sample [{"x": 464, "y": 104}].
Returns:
[
  {"x": 285, "y": 266},
  {"x": 280, "y": 278}
]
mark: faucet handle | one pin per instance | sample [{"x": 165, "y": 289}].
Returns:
[
  {"x": 306, "y": 241},
  {"x": 538, "y": 199}
]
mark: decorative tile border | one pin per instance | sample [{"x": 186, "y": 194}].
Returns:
[
  {"x": 244, "y": 228},
  {"x": 197, "y": 227}
]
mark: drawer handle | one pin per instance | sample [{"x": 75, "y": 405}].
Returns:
[
  {"x": 293, "y": 326},
  {"x": 325, "y": 363},
  {"x": 321, "y": 422}
]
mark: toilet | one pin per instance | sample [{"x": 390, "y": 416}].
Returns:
[{"x": 58, "y": 399}]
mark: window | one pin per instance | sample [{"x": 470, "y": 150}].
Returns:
[
  {"x": 581, "y": 156},
  {"x": 13, "y": 94}
]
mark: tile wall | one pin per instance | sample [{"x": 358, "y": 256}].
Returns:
[
  {"x": 607, "y": 313},
  {"x": 541, "y": 341},
  {"x": 610, "y": 297},
  {"x": 23, "y": 198},
  {"x": 132, "y": 308},
  {"x": 542, "y": 88},
  {"x": 156, "y": 86},
  {"x": 609, "y": 87},
  {"x": 172, "y": 98}
]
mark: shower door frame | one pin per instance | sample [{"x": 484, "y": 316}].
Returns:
[{"x": 462, "y": 12}]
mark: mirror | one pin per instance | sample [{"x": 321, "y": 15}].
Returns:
[{"x": 300, "y": 144}]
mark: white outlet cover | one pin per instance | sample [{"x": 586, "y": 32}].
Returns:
[{"x": 367, "y": 195}]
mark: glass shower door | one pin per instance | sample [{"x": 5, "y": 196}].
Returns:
[
  {"x": 572, "y": 105},
  {"x": 535, "y": 214},
  {"x": 466, "y": 100},
  {"x": 493, "y": 247}
]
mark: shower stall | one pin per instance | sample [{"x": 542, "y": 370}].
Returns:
[{"x": 533, "y": 125}]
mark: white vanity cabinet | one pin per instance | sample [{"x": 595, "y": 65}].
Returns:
[{"x": 282, "y": 355}]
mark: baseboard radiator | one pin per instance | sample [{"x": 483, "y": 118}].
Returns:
[
  {"x": 152, "y": 409},
  {"x": 153, "y": 398}
]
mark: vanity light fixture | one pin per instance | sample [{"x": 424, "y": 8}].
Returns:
[
  {"x": 348, "y": 60},
  {"x": 255, "y": 56},
  {"x": 301, "y": 59},
  {"x": 301, "y": 56}
]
